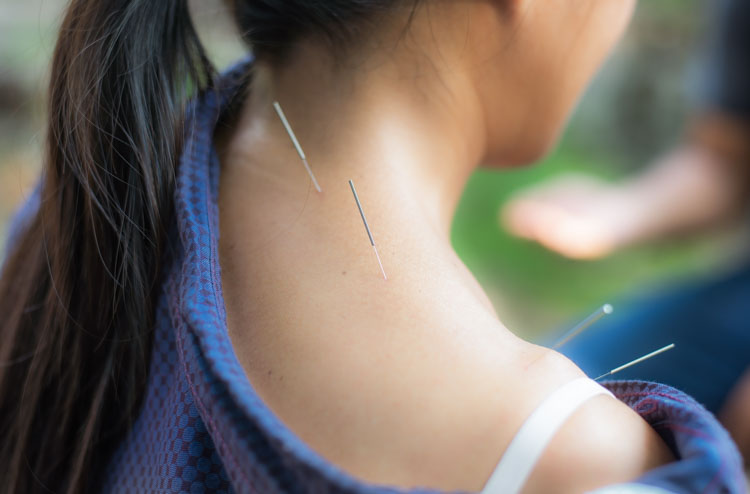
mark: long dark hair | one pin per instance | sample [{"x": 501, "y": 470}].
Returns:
[{"x": 77, "y": 290}]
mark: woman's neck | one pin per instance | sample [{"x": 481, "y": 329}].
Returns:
[
  {"x": 401, "y": 136},
  {"x": 408, "y": 144}
]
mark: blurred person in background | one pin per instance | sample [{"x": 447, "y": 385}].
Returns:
[{"x": 701, "y": 183}]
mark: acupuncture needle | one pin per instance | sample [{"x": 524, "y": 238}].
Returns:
[
  {"x": 637, "y": 361},
  {"x": 367, "y": 227},
  {"x": 583, "y": 325},
  {"x": 300, "y": 152}
]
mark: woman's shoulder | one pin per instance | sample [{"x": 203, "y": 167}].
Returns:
[
  {"x": 604, "y": 442},
  {"x": 438, "y": 409}
]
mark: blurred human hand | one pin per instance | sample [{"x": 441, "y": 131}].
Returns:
[
  {"x": 576, "y": 215},
  {"x": 582, "y": 217}
]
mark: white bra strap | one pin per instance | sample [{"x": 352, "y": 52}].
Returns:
[{"x": 532, "y": 438}]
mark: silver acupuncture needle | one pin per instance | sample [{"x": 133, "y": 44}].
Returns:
[
  {"x": 583, "y": 325},
  {"x": 367, "y": 227},
  {"x": 637, "y": 361},
  {"x": 300, "y": 152}
]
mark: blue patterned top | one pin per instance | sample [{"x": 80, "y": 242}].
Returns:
[{"x": 204, "y": 429}]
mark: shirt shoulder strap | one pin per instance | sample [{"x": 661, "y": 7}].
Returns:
[{"x": 532, "y": 438}]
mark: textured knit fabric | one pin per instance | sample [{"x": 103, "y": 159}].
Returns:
[
  {"x": 204, "y": 429},
  {"x": 708, "y": 460}
]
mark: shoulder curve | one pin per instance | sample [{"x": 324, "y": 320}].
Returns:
[{"x": 604, "y": 443}]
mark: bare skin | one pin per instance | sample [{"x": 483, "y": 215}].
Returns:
[{"x": 412, "y": 381}]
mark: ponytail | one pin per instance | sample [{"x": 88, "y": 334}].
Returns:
[{"x": 77, "y": 290}]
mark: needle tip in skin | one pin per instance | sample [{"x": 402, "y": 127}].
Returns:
[
  {"x": 295, "y": 142},
  {"x": 367, "y": 227},
  {"x": 380, "y": 263},
  {"x": 312, "y": 176}
]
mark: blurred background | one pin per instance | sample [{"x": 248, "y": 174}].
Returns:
[{"x": 634, "y": 110}]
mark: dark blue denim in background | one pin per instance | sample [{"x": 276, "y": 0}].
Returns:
[{"x": 709, "y": 323}]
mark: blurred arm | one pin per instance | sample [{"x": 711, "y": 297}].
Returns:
[{"x": 702, "y": 182}]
